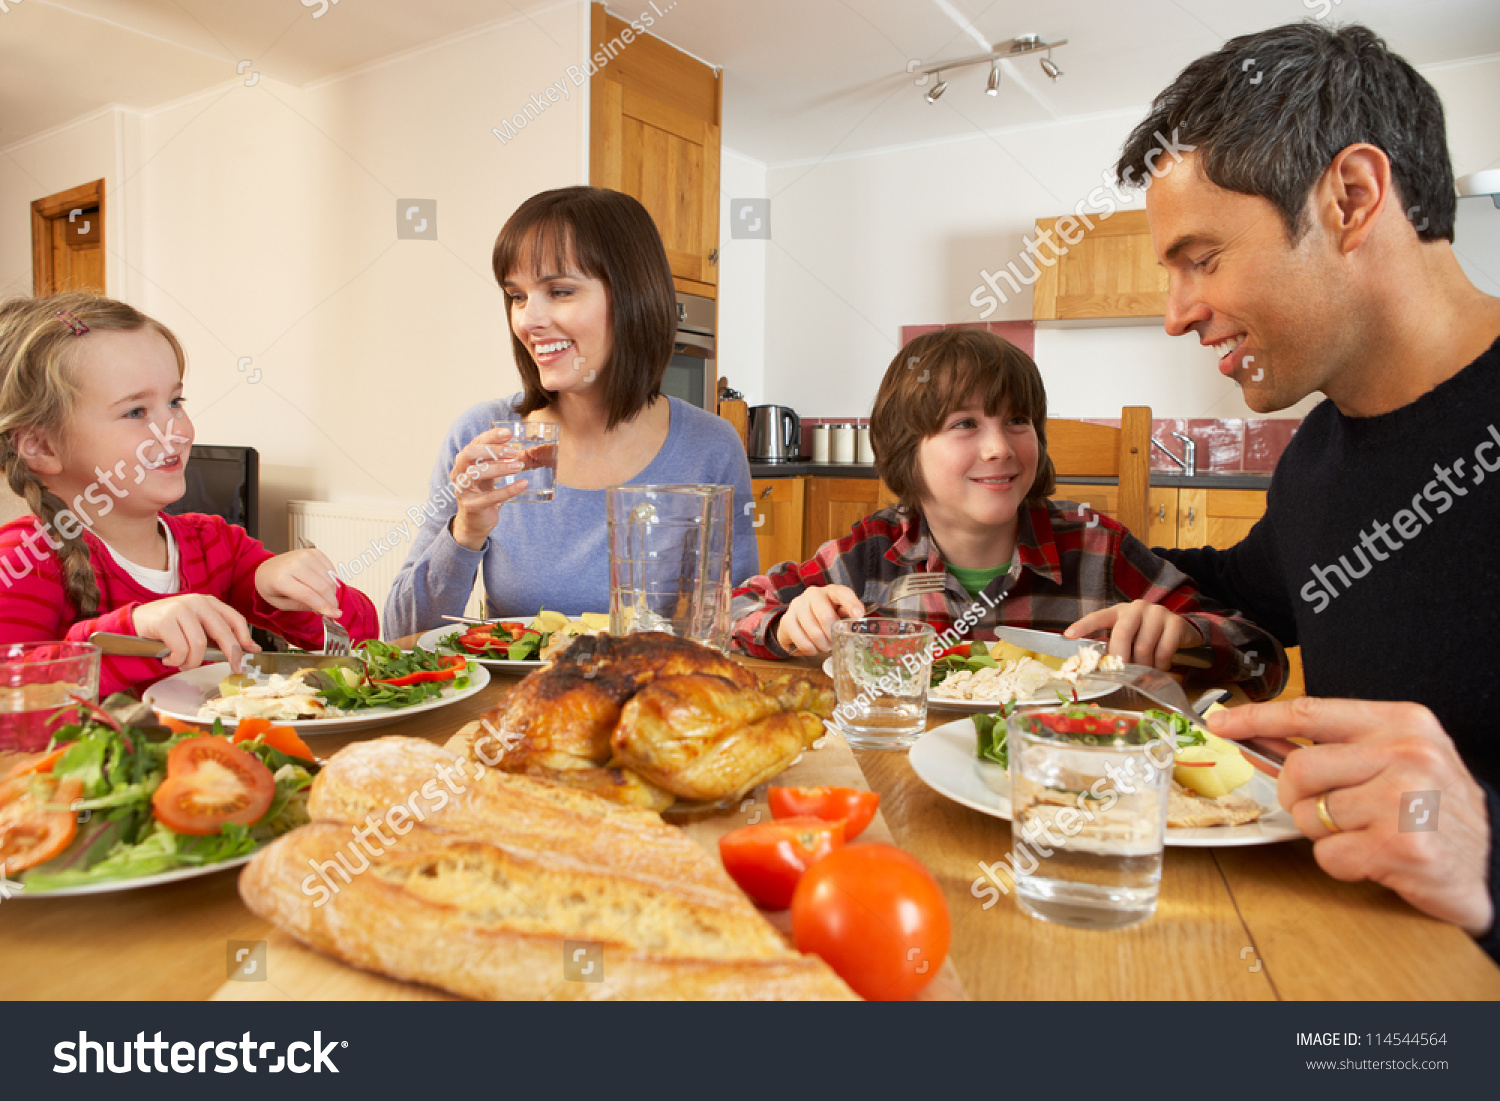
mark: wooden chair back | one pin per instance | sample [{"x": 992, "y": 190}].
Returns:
[{"x": 1080, "y": 449}]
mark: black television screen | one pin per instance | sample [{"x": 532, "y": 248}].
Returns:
[{"x": 223, "y": 481}]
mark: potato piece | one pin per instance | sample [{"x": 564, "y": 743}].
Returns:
[
  {"x": 547, "y": 622},
  {"x": 1230, "y": 769},
  {"x": 231, "y": 685},
  {"x": 595, "y": 621}
]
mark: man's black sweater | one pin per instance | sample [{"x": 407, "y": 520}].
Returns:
[{"x": 1379, "y": 554}]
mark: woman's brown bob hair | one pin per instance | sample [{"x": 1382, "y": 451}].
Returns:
[
  {"x": 608, "y": 236},
  {"x": 937, "y": 373}
]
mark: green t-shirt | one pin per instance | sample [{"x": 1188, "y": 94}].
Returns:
[{"x": 975, "y": 581}]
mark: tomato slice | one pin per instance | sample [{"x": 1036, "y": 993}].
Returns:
[
  {"x": 856, "y": 808},
  {"x": 284, "y": 738},
  {"x": 768, "y": 859},
  {"x": 36, "y": 820},
  {"x": 876, "y": 916},
  {"x": 41, "y": 763},
  {"x": 210, "y": 783}
]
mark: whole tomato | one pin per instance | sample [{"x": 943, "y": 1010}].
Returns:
[
  {"x": 856, "y": 808},
  {"x": 877, "y": 916}
]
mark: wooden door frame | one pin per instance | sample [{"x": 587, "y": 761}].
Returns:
[{"x": 44, "y": 212}]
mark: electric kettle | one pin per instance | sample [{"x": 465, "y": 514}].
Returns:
[{"x": 775, "y": 434}]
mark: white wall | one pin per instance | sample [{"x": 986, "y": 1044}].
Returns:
[
  {"x": 742, "y": 281},
  {"x": 271, "y": 219},
  {"x": 260, "y": 222},
  {"x": 863, "y": 245}
]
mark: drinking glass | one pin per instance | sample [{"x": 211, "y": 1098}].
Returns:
[
  {"x": 881, "y": 667},
  {"x": 36, "y": 679},
  {"x": 670, "y": 557},
  {"x": 538, "y": 440},
  {"x": 1088, "y": 815}
]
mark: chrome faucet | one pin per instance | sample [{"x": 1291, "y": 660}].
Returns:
[{"x": 1188, "y": 460}]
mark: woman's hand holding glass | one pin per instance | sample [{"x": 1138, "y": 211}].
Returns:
[{"x": 488, "y": 456}]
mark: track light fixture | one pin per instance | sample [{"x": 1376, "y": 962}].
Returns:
[{"x": 1016, "y": 47}]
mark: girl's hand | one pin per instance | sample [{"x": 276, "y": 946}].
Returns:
[
  {"x": 806, "y": 626},
  {"x": 188, "y": 623},
  {"x": 1142, "y": 632},
  {"x": 488, "y": 456},
  {"x": 299, "y": 581}
]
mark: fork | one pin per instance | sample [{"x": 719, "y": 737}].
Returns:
[
  {"x": 910, "y": 584},
  {"x": 335, "y": 638}
]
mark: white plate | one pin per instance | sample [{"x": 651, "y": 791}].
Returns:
[
  {"x": 984, "y": 707},
  {"x": 430, "y": 640},
  {"x": 182, "y": 694},
  {"x": 109, "y": 886},
  {"x": 946, "y": 760}
]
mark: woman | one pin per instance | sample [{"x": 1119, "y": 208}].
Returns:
[{"x": 592, "y": 316}]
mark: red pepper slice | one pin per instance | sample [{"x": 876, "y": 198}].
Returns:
[
  {"x": 452, "y": 666},
  {"x": 961, "y": 650}
]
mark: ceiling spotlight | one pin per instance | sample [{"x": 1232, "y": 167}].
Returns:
[
  {"x": 992, "y": 87},
  {"x": 937, "y": 89},
  {"x": 1050, "y": 67}
]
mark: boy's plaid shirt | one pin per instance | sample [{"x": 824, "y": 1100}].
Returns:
[{"x": 1068, "y": 562}]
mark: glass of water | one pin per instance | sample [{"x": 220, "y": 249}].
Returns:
[
  {"x": 538, "y": 440},
  {"x": 37, "y": 679},
  {"x": 1088, "y": 796},
  {"x": 881, "y": 667}
]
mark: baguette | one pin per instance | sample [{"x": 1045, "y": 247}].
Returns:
[{"x": 484, "y": 890}]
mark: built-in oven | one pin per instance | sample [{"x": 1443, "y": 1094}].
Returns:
[{"x": 693, "y": 373}]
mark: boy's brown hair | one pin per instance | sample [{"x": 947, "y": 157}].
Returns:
[{"x": 937, "y": 373}]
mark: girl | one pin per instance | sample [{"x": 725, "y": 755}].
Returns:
[
  {"x": 959, "y": 432},
  {"x": 592, "y": 317},
  {"x": 94, "y": 439}
]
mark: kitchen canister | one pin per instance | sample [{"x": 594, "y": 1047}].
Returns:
[
  {"x": 841, "y": 449},
  {"x": 820, "y": 450},
  {"x": 863, "y": 452}
]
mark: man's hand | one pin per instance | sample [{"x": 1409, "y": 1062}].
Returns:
[
  {"x": 1369, "y": 757},
  {"x": 299, "y": 581},
  {"x": 1140, "y": 631},
  {"x": 806, "y": 627}
]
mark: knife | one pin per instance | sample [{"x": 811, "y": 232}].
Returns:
[
  {"x": 268, "y": 661},
  {"x": 1044, "y": 642}
]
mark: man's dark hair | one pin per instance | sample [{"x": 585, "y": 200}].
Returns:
[{"x": 1270, "y": 111}]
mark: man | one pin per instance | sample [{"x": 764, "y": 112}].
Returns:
[{"x": 1308, "y": 238}]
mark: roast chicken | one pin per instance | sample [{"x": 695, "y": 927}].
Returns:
[{"x": 648, "y": 719}]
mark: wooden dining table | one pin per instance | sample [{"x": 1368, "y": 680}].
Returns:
[{"x": 1254, "y": 923}]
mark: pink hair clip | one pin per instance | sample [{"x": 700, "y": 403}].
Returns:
[{"x": 75, "y": 326}]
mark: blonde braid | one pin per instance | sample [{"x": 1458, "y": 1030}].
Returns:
[{"x": 79, "y": 583}]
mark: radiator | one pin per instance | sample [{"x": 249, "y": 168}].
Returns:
[{"x": 365, "y": 542}]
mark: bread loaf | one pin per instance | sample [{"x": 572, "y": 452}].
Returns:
[{"x": 483, "y": 883}]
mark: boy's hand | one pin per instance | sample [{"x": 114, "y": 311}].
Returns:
[
  {"x": 807, "y": 625},
  {"x": 1140, "y": 632},
  {"x": 188, "y": 623},
  {"x": 299, "y": 581}
]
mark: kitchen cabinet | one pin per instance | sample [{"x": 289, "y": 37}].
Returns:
[
  {"x": 654, "y": 118},
  {"x": 1107, "y": 271},
  {"x": 1205, "y": 517},
  {"x": 778, "y": 517},
  {"x": 834, "y": 505}
]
